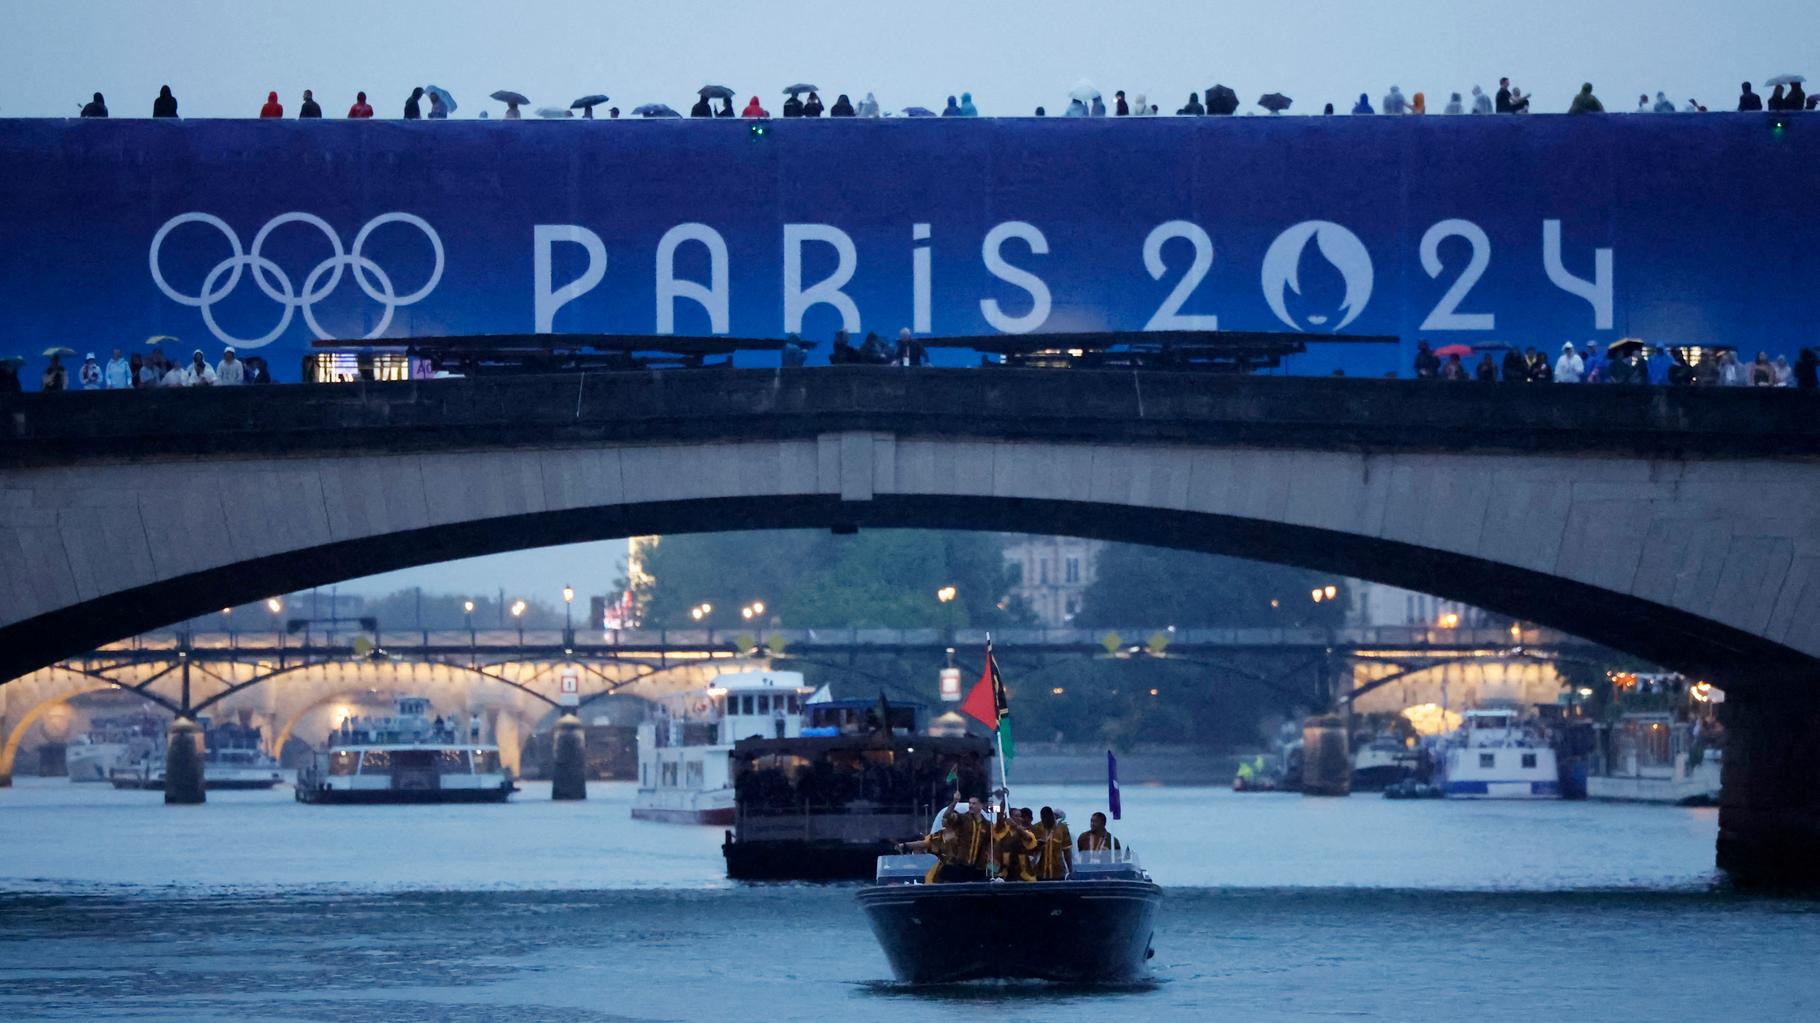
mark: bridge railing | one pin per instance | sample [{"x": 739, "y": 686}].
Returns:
[{"x": 966, "y": 642}]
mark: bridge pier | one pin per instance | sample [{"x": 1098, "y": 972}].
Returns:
[
  {"x": 183, "y": 763},
  {"x": 569, "y": 762},
  {"x": 1769, "y": 808}
]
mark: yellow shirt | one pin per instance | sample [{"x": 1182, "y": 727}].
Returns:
[
  {"x": 1051, "y": 860},
  {"x": 1014, "y": 849}
]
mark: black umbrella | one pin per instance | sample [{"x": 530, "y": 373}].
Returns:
[
  {"x": 655, "y": 110},
  {"x": 715, "y": 92},
  {"x": 588, "y": 101},
  {"x": 508, "y": 96},
  {"x": 1222, "y": 100},
  {"x": 1275, "y": 102},
  {"x": 791, "y": 90}
]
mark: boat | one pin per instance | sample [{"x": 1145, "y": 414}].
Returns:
[
  {"x": 856, "y": 778},
  {"x": 233, "y": 757},
  {"x": 683, "y": 755},
  {"x": 113, "y": 742},
  {"x": 1383, "y": 762},
  {"x": 407, "y": 758},
  {"x": 1494, "y": 755},
  {"x": 1650, "y": 757},
  {"x": 1095, "y": 927}
]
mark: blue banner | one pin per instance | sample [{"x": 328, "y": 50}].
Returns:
[{"x": 1527, "y": 230}]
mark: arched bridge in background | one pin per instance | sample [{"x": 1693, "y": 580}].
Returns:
[{"x": 1680, "y": 525}]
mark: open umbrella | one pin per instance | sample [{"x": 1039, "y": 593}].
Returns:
[
  {"x": 588, "y": 101},
  {"x": 655, "y": 110},
  {"x": 1084, "y": 91},
  {"x": 448, "y": 101},
  {"x": 1222, "y": 100},
  {"x": 1275, "y": 102},
  {"x": 59, "y": 350},
  {"x": 1784, "y": 80},
  {"x": 1463, "y": 351},
  {"x": 159, "y": 339},
  {"x": 791, "y": 90},
  {"x": 554, "y": 112},
  {"x": 1624, "y": 342},
  {"x": 715, "y": 92},
  {"x": 508, "y": 96},
  {"x": 919, "y": 112},
  {"x": 12, "y": 360}
]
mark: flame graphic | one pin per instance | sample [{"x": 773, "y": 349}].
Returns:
[{"x": 1339, "y": 246}]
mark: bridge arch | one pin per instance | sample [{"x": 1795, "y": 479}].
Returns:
[{"x": 1673, "y": 525}]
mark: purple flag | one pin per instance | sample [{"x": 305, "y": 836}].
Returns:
[{"x": 1112, "y": 784}]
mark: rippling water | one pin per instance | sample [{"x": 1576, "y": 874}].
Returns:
[{"x": 1278, "y": 908}]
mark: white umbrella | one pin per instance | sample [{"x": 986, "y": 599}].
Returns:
[
  {"x": 1785, "y": 80},
  {"x": 554, "y": 112},
  {"x": 1084, "y": 91}
]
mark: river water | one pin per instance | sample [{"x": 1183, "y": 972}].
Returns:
[{"x": 116, "y": 907}]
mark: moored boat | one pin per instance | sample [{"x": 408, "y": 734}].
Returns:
[
  {"x": 1494, "y": 755},
  {"x": 409, "y": 758},
  {"x": 1093, "y": 928},
  {"x": 234, "y": 757},
  {"x": 683, "y": 756}
]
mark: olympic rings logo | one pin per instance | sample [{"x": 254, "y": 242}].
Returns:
[{"x": 277, "y": 285}]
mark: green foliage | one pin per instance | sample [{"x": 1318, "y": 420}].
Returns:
[
  {"x": 885, "y": 578},
  {"x": 1155, "y": 585}
]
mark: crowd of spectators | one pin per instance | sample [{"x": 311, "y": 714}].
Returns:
[
  {"x": 1083, "y": 101},
  {"x": 136, "y": 372},
  {"x": 1627, "y": 362}
]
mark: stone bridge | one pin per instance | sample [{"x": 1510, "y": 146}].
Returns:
[{"x": 1678, "y": 524}]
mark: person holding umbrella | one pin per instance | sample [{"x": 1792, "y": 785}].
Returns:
[
  {"x": 793, "y": 107},
  {"x": 586, "y": 105},
  {"x": 441, "y": 103},
  {"x": 514, "y": 100},
  {"x": 701, "y": 108},
  {"x": 56, "y": 378}
]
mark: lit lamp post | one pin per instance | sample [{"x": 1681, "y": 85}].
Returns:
[
  {"x": 700, "y": 613},
  {"x": 227, "y": 619},
  {"x": 568, "y": 617},
  {"x": 755, "y": 612},
  {"x": 946, "y": 595},
  {"x": 276, "y": 606},
  {"x": 467, "y": 608},
  {"x": 518, "y": 615}
]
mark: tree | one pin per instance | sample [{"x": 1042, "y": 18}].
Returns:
[
  {"x": 885, "y": 578},
  {"x": 1137, "y": 585}
]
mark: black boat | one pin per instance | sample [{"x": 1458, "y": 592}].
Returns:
[
  {"x": 1093, "y": 928},
  {"x": 859, "y": 778}
]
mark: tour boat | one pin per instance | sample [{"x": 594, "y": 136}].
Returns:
[
  {"x": 409, "y": 758},
  {"x": 859, "y": 777},
  {"x": 1093, "y": 928},
  {"x": 1652, "y": 758},
  {"x": 683, "y": 756},
  {"x": 234, "y": 757},
  {"x": 1493, "y": 756},
  {"x": 112, "y": 742}
]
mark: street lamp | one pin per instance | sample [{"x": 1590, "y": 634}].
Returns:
[
  {"x": 518, "y": 615},
  {"x": 946, "y": 595},
  {"x": 467, "y": 608},
  {"x": 568, "y": 615}
]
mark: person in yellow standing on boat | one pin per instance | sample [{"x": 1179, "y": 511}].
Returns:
[
  {"x": 1096, "y": 838},
  {"x": 1013, "y": 842},
  {"x": 1054, "y": 856},
  {"x": 963, "y": 846}
]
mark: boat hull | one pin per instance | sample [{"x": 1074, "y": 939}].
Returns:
[
  {"x": 803, "y": 861},
  {"x": 370, "y": 797},
  {"x": 718, "y": 815},
  {"x": 1074, "y": 932}
]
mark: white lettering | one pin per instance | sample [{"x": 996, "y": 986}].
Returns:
[
  {"x": 1445, "y": 315},
  {"x": 1169, "y": 315},
  {"x": 997, "y": 267},
  {"x": 545, "y": 300},
  {"x": 1597, "y": 292},
  {"x": 921, "y": 319},
  {"x": 712, "y": 296},
  {"x": 797, "y": 299}
]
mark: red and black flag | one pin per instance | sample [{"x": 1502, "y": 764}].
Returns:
[{"x": 987, "y": 704}]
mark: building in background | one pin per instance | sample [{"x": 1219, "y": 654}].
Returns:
[
  {"x": 1375, "y": 605},
  {"x": 1053, "y": 574}
]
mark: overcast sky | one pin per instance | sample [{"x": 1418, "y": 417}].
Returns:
[{"x": 221, "y": 57}]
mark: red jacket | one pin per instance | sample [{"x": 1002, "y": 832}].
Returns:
[
  {"x": 754, "y": 110},
  {"x": 361, "y": 107},
  {"x": 272, "y": 107}
]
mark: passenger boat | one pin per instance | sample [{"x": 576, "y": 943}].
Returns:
[
  {"x": 234, "y": 757},
  {"x": 1493, "y": 755},
  {"x": 1650, "y": 757},
  {"x": 113, "y": 742},
  {"x": 1093, "y": 928},
  {"x": 683, "y": 765},
  {"x": 858, "y": 777},
  {"x": 1381, "y": 763},
  {"x": 409, "y": 758}
]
